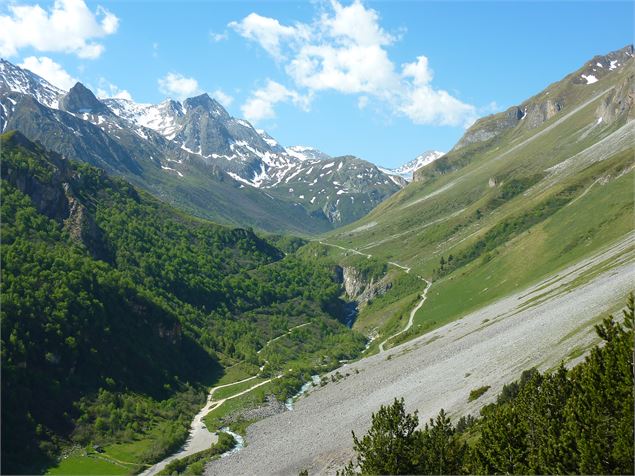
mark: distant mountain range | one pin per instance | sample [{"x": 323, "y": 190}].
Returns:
[
  {"x": 194, "y": 155},
  {"x": 407, "y": 170}
]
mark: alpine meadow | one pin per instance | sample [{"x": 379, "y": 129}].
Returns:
[{"x": 442, "y": 282}]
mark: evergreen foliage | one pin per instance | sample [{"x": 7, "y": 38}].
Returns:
[{"x": 577, "y": 421}]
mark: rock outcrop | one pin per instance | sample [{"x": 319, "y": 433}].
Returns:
[
  {"x": 51, "y": 192},
  {"x": 359, "y": 288}
]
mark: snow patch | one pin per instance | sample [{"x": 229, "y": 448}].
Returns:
[
  {"x": 590, "y": 79},
  {"x": 172, "y": 170}
]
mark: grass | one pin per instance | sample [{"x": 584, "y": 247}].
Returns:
[
  {"x": 428, "y": 220},
  {"x": 237, "y": 372},
  {"x": 221, "y": 393},
  {"x": 477, "y": 393},
  {"x": 216, "y": 418},
  {"x": 602, "y": 215},
  {"x": 80, "y": 462}
]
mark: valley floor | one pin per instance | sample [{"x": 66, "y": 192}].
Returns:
[{"x": 541, "y": 326}]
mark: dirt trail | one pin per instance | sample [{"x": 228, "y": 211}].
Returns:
[
  {"x": 200, "y": 438},
  {"x": 537, "y": 326},
  {"x": 407, "y": 270},
  {"x": 281, "y": 336},
  {"x": 412, "y": 315}
]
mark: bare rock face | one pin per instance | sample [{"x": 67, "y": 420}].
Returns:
[
  {"x": 82, "y": 227},
  {"x": 53, "y": 197},
  {"x": 617, "y": 103},
  {"x": 360, "y": 289},
  {"x": 48, "y": 196},
  {"x": 536, "y": 114},
  {"x": 491, "y": 126},
  {"x": 81, "y": 100}
]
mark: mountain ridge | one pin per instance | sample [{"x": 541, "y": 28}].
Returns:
[
  {"x": 197, "y": 143},
  {"x": 503, "y": 211}
]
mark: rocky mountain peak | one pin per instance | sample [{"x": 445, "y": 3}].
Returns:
[
  {"x": 81, "y": 100},
  {"x": 206, "y": 103},
  {"x": 407, "y": 170},
  {"x": 303, "y": 152},
  {"x": 15, "y": 79},
  {"x": 550, "y": 102}
]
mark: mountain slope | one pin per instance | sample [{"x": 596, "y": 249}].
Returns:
[
  {"x": 192, "y": 154},
  {"x": 110, "y": 295},
  {"x": 524, "y": 193}
]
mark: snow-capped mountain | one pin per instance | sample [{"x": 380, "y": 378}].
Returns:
[
  {"x": 407, "y": 170},
  {"x": 13, "y": 78},
  {"x": 303, "y": 152},
  {"x": 183, "y": 140}
]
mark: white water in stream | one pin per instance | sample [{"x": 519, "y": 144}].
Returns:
[
  {"x": 240, "y": 442},
  {"x": 315, "y": 380}
]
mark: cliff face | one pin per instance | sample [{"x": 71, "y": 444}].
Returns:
[
  {"x": 52, "y": 195},
  {"x": 491, "y": 126},
  {"x": 359, "y": 288}
]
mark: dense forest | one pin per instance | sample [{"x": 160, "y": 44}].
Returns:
[
  {"x": 577, "y": 421},
  {"x": 117, "y": 310}
]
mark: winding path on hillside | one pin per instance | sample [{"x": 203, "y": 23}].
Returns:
[
  {"x": 199, "y": 437},
  {"x": 281, "y": 336},
  {"x": 414, "y": 310},
  {"x": 412, "y": 315}
]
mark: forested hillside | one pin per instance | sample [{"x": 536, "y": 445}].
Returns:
[{"x": 116, "y": 309}]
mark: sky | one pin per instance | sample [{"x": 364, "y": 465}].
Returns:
[{"x": 382, "y": 80}]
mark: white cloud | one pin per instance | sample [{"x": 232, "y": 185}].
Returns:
[
  {"x": 260, "y": 105},
  {"x": 68, "y": 27},
  {"x": 222, "y": 97},
  {"x": 344, "y": 50},
  {"x": 218, "y": 37},
  {"x": 179, "y": 86},
  {"x": 356, "y": 23},
  {"x": 418, "y": 71},
  {"x": 49, "y": 70},
  {"x": 268, "y": 32},
  {"x": 425, "y": 105},
  {"x": 362, "y": 102},
  {"x": 106, "y": 89},
  {"x": 349, "y": 69},
  {"x": 155, "y": 50}
]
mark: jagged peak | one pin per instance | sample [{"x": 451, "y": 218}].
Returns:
[
  {"x": 206, "y": 102},
  {"x": 81, "y": 100}
]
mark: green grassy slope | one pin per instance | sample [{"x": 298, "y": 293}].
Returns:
[{"x": 514, "y": 207}]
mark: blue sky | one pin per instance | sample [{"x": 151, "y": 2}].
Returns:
[{"x": 380, "y": 80}]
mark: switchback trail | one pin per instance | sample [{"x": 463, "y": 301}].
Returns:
[{"x": 200, "y": 438}]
